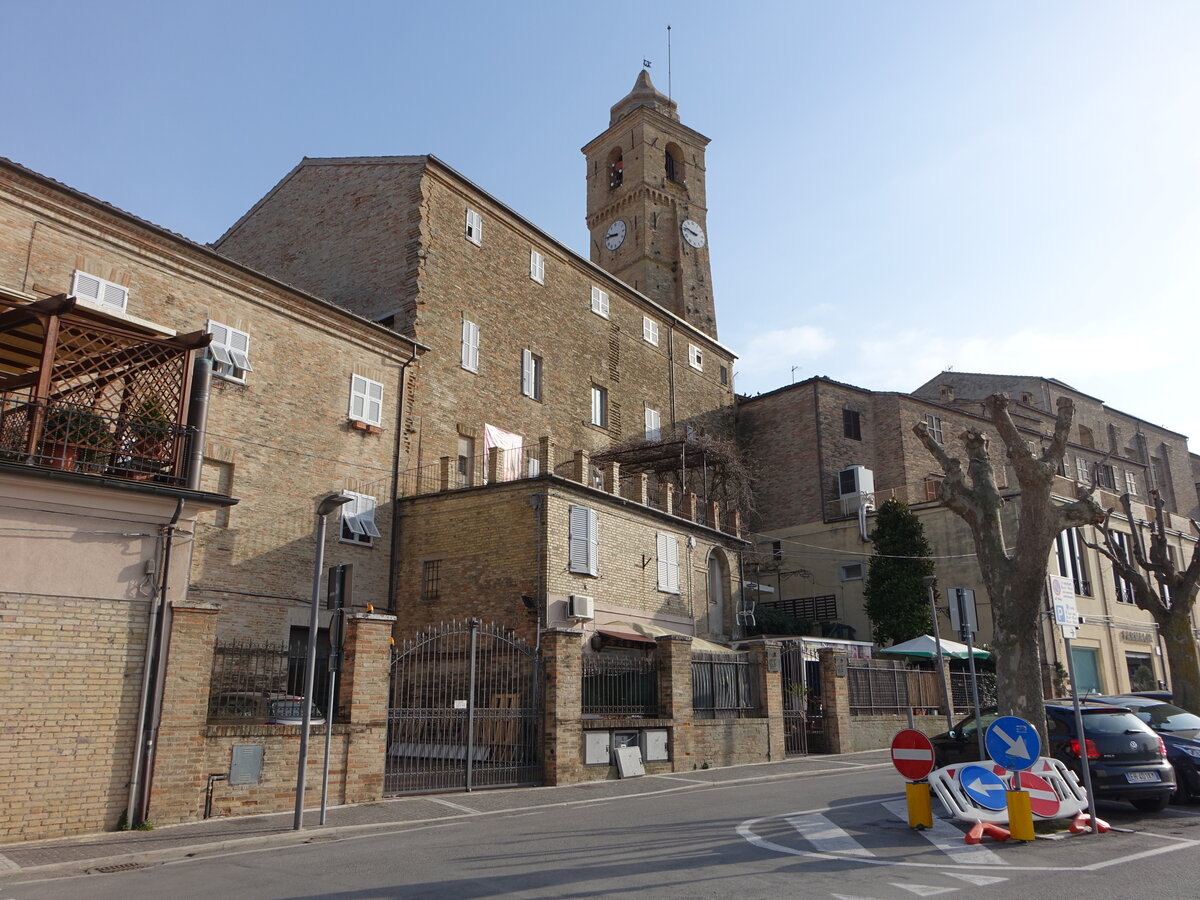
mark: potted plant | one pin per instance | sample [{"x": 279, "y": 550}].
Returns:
[
  {"x": 149, "y": 438},
  {"x": 74, "y": 437}
]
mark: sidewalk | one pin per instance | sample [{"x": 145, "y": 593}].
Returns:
[{"x": 79, "y": 853}]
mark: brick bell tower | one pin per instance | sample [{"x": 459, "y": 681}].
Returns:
[{"x": 646, "y": 207}]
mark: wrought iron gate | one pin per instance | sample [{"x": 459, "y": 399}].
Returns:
[
  {"x": 803, "y": 722},
  {"x": 465, "y": 711}
]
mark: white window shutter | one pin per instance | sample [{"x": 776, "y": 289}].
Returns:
[
  {"x": 375, "y": 402},
  {"x": 358, "y": 400},
  {"x": 663, "y": 566},
  {"x": 583, "y": 540},
  {"x": 527, "y": 373},
  {"x": 366, "y": 516},
  {"x": 470, "y": 346}
]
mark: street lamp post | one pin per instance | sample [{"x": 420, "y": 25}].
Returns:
[{"x": 324, "y": 508}]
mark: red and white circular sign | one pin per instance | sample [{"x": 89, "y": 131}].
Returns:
[
  {"x": 1042, "y": 799},
  {"x": 912, "y": 754}
]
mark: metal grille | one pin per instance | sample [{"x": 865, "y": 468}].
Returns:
[
  {"x": 877, "y": 686},
  {"x": 465, "y": 711},
  {"x": 620, "y": 685},
  {"x": 803, "y": 716},
  {"x": 725, "y": 686},
  {"x": 806, "y": 609},
  {"x": 257, "y": 681}
]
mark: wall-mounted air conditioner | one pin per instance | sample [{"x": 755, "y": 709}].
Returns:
[
  {"x": 581, "y": 607},
  {"x": 856, "y": 489}
]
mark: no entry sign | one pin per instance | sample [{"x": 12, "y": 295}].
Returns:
[
  {"x": 1042, "y": 799},
  {"x": 912, "y": 754}
]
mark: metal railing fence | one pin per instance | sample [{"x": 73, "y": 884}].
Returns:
[
  {"x": 725, "y": 686},
  {"x": 620, "y": 685}
]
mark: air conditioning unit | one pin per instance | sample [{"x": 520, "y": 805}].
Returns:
[
  {"x": 856, "y": 489},
  {"x": 581, "y": 607}
]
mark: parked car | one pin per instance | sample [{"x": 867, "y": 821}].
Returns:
[
  {"x": 261, "y": 708},
  {"x": 1180, "y": 732},
  {"x": 1128, "y": 760}
]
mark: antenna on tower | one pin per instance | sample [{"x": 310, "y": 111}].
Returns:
[{"x": 668, "y": 62}]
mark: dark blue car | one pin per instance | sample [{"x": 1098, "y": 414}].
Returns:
[{"x": 1180, "y": 731}]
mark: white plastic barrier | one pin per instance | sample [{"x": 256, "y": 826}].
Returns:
[{"x": 1063, "y": 787}]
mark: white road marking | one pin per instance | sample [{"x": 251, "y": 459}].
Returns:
[
  {"x": 459, "y": 807},
  {"x": 825, "y": 835},
  {"x": 948, "y": 839},
  {"x": 6, "y": 864},
  {"x": 923, "y": 890},
  {"x": 977, "y": 880}
]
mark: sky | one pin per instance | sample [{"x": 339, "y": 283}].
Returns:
[{"x": 895, "y": 188}]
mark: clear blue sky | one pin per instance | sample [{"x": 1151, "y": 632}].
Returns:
[{"x": 894, "y": 187}]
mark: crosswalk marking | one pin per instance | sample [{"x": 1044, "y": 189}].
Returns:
[
  {"x": 826, "y": 836},
  {"x": 977, "y": 880},
  {"x": 923, "y": 890},
  {"x": 948, "y": 839}
]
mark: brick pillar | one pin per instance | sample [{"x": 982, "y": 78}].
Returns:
[
  {"x": 545, "y": 452},
  {"x": 444, "y": 470},
  {"x": 667, "y": 495},
  {"x": 735, "y": 523},
  {"x": 365, "y": 677},
  {"x": 689, "y": 507},
  {"x": 641, "y": 484},
  {"x": 673, "y": 654},
  {"x": 714, "y": 514},
  {"x": 581, "y": 465},
  {"x": 835, "y": 697},
  {"x": 770, "y": 686},
  {"x": 612, "y": 477},
  {"x": 495, "y": 465},
  {"x": 562, "y": 662},
  {"x": 180, "y": 773}
]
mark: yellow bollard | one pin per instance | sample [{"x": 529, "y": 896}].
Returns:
[
  {"x": 920, "y": 809},
  {"x": 1020, "y": 818}
]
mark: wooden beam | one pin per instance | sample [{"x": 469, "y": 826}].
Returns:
[{"x": 58, "y": 305}]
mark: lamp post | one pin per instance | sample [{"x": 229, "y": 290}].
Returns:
[
  {"x": 930, "y": 581},
  {"x": 324, "y": 508}
]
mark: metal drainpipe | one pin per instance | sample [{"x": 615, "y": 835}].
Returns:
[
  {"x": 394, "y": 538},
  {"x": 143, "y": 748},
  {"x": 198, "y": 419}
]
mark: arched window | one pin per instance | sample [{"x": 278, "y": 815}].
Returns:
[
  {"x": 674, "y": 163},
  {"x": 616, "y": 169},
  {"x": 718, "y": 593}
]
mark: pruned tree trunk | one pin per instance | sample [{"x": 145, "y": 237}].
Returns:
[{"x": 1014, "y": 581}]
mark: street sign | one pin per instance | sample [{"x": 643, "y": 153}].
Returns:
[
  {"x": 912, "y": 754},
  {"x": 1062, "y": 598},
  {"x": 1043, "y": 801},
  {"x": 1013, "y": 743},
  {"x": 983, "y": 786},
  {"x": 962, "y": 607}
]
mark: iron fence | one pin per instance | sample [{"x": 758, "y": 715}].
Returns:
[
  {"x": 620, "y": 685},
  {"x": 877, "y": 686},
  {"x": 256, "y": 682},
  {"x": 725, "y": 686}
]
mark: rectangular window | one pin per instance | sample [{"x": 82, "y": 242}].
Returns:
[
  {"x": 653, "y": 424},
  {"x": 89, "y": 287},
  {"x": 649, "y": 330},
  {"x": 431, "y": 579},
  {"x": 851, "y": 424},
  {"x": 599, "y": 406},
  {"x": 229, "y": 351},
  {"x": 1131, "y": 483},
  {"x": 366, "y": 400},
  {"x": 724, "y": 375},
  {"x": 934, "y": 424},
  {"x": 537, "y": 267},
  {"x": 583, "y": 540},
  {"x": 695, "y": 357},
  {"x": 358, "y": 519},
  {"x": 1124, "y": 588},
  {"x": 668, "y": 563},
  {"x": 470, "y": 346},
  {"x": 474, "y": 227},
  {"x": 1081, "y": 471},
  {"x": 1071, "y": 560},
  {"x": 1106, "y": 477},
  {"x": 600, "y": 303},
  {"x": 933, "y": 487},
  {"x": 851, "y": 572},
  {"x": 531, "y": 374},
  {"x": 465, "y": 467}
]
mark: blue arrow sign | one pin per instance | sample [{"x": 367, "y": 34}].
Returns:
[
  {"x": 983, "y": 786},
  {"x": 1013, "y": 743}
]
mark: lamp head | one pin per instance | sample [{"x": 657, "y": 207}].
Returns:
[{"x": 332, "y": 502}]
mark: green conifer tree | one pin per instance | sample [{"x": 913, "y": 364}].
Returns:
[{"x": 896, "y": 596}]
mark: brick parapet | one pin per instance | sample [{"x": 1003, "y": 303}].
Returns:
[{"x": 562, "y": 668}]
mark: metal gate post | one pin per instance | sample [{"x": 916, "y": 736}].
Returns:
[{"x": 474, "y": 623}]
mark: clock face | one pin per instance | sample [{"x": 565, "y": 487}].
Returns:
[
  {"x": 692, "y": 233},
  {"x": 615, "y": 234}
]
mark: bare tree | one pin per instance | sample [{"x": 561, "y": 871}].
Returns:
[
  {"x": 1163, "y": 590},
  {"x": 1014, "y": 581}
]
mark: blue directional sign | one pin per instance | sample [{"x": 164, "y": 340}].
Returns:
[
  {"x": 983, "y": 786},
  {"x": 1013, "y": 743}
]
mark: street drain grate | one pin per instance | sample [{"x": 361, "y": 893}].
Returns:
[{"x": 122, "y": 867}]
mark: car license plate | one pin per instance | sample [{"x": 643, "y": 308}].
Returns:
[{"x": 1133, "y": 777}]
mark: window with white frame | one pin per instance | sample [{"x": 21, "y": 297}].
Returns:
[
  {"x": 583, "y": 540},
  {"x": 229, "y": 351},
  {"x": 531, "y": 375},
  {"x": 1124, "y": 588},
  {"x": 358, "y": 519},
  {"x": 89, "y": 287},
  {"x": 851, "y": 572},
  {"x": 599, "y": 406},
  {"x": 599, "y": 302},
  {"x": 1131, "y": 483},
  {"x": 649, "y": 330},
  {"x": 537, "y": 267},
  {"x": 1106, "y": 477},
  {"x": 653, "y": 424},
  {"x": 1081, "y": 471},
  {"x": 934, "y": 425},
  {"x": 1072, "y": 563},
  {"x": 470, "y": 346},
  {"x": 695, "y": 357},
  {"x": 366, "y": 400},
  {"x": 668, "y": 563},
  {"x": 474, "y": 227}
]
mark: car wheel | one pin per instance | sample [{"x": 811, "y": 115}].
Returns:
[{"x": 1152, "y": 804}]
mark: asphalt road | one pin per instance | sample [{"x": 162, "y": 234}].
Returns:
[{"x": 839, "y": 835}]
